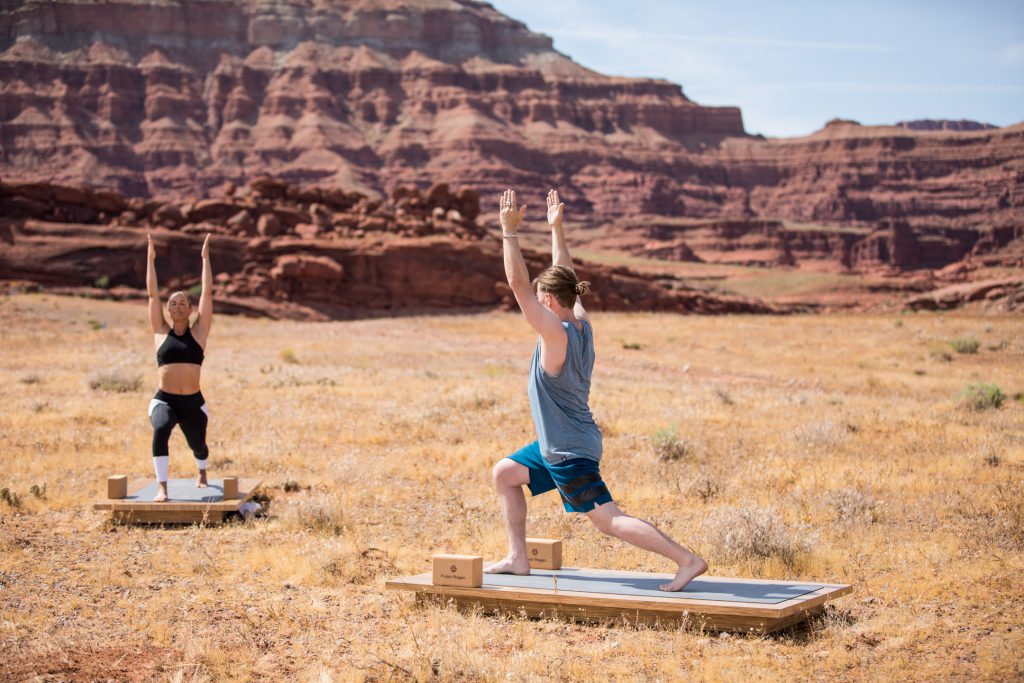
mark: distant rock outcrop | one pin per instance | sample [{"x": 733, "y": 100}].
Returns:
[
  {"x": 170, "y": 100},
  {"x": 329, "y": 254},
  {"x": 945, "y": 124}
]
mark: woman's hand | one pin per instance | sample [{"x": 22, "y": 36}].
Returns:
[
  {"x": 151, "y": 253},
  {"x": 205, "y": 253},
  {"x": 555, "y": 210},
  {"x": 508, "y": 215}
]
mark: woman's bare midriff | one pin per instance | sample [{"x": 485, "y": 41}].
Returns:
[{"x": 180, "y": 378}]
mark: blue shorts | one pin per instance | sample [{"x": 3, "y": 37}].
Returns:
[{"x": 578, "y": 480}]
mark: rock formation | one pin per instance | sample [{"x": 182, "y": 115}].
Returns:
[
  {"x": 170, "y": 100},
  {"x": 329, "y": 254}
]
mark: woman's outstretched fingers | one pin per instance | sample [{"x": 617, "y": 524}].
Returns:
[{"x": 206, "y": 246}]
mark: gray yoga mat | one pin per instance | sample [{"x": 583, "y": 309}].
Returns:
[
  {"x": 699, "y": 589},
  {"x": 181, "y": 491}
]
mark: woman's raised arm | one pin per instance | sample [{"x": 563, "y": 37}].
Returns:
[
  {"x": 156, "y": 311},
  {"x": 205, "y": 320}
]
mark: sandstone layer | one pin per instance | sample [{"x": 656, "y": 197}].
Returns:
[
  {"x": 169, "y": 99},
  {"x": 285, "y": 251}
]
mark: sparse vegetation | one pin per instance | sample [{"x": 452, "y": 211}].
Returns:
[
  {"x": 750, "y": 532},
  {"x": 853, "y": 506},
  {"x": 391, "y": 463},
  {"x": 288, "y": 356},
  {"x": 115, "y": 380},
  {"x": 669, "y": 446},
  {"x": 981, "y": 397},
  {"x": 965, "y": 345}
]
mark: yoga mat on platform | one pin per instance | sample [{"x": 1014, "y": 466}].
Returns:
[{"x": 570, "y": 579}]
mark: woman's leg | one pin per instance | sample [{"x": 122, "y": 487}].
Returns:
[
  {"x": 163, "y": 420},
  {"x": 509, "y": 479},
  {"x": 193, "y": 425},
  {"x": 610, "y": 520}
]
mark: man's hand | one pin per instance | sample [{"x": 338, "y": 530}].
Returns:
[
  {"x": 555, "y": 210},
  {"x": 508, "y": 215},
  {"x": 205, "y": 253},
  {"x": 151, "y": 251}
]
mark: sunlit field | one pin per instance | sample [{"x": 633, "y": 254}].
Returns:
[{"x": 843, "y": 449}]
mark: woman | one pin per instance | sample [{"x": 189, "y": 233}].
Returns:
[
  {"x": 179, "y": 358},
  {"x": 567, "y": 452}
]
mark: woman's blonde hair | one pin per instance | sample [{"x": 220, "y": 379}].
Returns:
[
  {"x": 188, "y": 299},
  {"x": 561, "y": 281}
]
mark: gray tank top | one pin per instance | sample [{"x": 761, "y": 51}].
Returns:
[{"x": 565, "y": 425}]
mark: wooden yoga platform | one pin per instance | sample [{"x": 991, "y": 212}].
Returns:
[
  {"x": 187, "y": 505},
  {"x": 711, "y": 602}
]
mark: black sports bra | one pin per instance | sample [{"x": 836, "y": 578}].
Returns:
[{"x": 179, "y": 349}]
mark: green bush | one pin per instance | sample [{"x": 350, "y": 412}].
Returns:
[
  {"x": 669, "y": 446},
  {"x": 102, "y": 282},
  {"x": 982, "y": 397},
  {"x": 965, "y": 345}
]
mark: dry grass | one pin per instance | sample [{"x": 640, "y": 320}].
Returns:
[{"x": 842, "y": 436}]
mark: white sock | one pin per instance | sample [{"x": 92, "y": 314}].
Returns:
[
  {"x": 201, "y": 464},
  {"x": 160, "y": 463}
]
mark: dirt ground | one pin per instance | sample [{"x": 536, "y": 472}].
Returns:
[{"x": 852, "y": 438}]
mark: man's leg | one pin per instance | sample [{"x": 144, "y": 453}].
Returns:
[
  {"x": 509, "y": 479},
  {"x": 610, "y": 520}
]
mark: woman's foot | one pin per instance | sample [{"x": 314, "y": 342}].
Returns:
[
  {"x": 687, "y": 573},
  {"x": 510, "y": 565},
  {"x": 161, "y": 493},
  {"x": 201, "y": 480}
]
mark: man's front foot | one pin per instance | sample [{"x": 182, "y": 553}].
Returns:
[
  {"x": 201, "y": 480},
  {"x": 686, "y": 573},
  {"x": 510, "y": 565}
]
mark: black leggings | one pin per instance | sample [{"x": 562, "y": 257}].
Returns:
[{"x": 189, "y": 411}]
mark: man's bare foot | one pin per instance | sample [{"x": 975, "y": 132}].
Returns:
[
  {"x": 687, "y": 573},
  {"x": 510, "y": 565},
  {"x": 201, "y": 480},
  {"x": 161, "y": 493}
]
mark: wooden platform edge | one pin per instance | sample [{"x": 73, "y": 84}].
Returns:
[
  {"x": 668, "y": 606},
  {"x": 246, "y": 489}
]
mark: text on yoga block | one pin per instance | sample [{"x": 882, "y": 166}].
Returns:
[
  {"x": 544, "y": 553},
  {"x": 458, "y": 570}
]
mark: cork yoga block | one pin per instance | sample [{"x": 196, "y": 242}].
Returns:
[
  {"x": 458, "y": 570},
  {"x": 117, "y": 486},
  {"x": 230, "y": 489},
  {"x": 544, "y": 553}
]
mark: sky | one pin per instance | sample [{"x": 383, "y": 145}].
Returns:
[{"x": 792, "y": 66}]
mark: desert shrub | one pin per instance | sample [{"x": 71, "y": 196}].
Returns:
[
  {"x": 853, "y": 506},
  {"x": 319, "y": 514},
  {"x": 669, "y": 446},
  {"x": 360, "y": 567},
  {"x": 30, "y": 379},
  {"x": 724, "y": 396},
  {"x": 964, "y": 345},
  {"x": 288, "y": 356},
  {"x": 38, "y": 491},
  {"x": 195, "y": 291},
  {"x": 704, "y": 486},
  {"x": 115, "y": 380},
  {"x": 823, "y": 433},
  {"x": 102, "y": 282},
  {"x": 981, "y": 397},
  {"x": 96, "y": 324},
  {"x": 10, "y": 497},
  {"x": 740, "y": 533}
]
